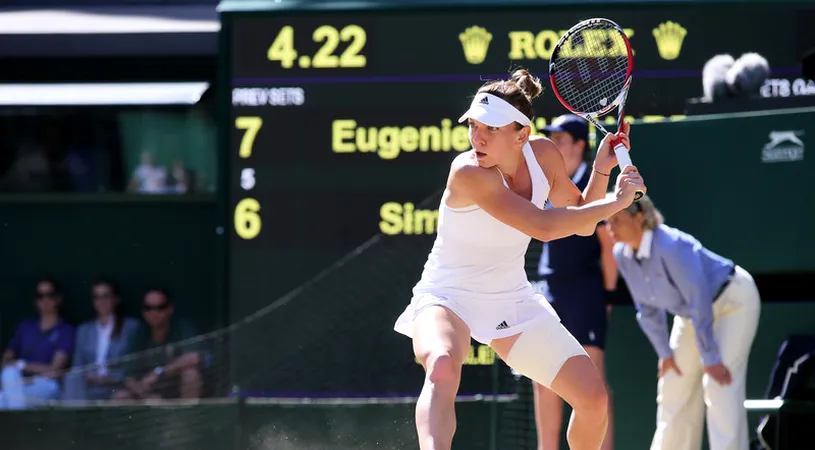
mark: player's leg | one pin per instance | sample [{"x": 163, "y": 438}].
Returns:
[
  {"x": 598, "y": 357},
  {"x": 680, "y": 403},
  {"x": 548, "y": 417},
  {"x": 580, "y": 384},
  {"x": 441, "y": 342},
  {"x": 548, "y": 405},
  {"x": 738, "y": 309},
  {"x": 566, "y": 369},
  {"x": 583, "y": 312}
]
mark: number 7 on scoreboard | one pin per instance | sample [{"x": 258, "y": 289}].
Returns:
[{"x": 252, "y": 126}]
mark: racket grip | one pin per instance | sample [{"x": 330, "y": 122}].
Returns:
[{"x": 624, "y": 160}]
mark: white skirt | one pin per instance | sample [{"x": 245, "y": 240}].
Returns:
[{"x": 487, "y": 319}]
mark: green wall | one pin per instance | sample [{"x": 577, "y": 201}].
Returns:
[{"x": 709, "y": 177}]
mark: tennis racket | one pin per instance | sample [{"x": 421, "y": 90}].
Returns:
[{"x": 590, "y": 72}]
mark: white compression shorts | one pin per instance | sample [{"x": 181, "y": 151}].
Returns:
[{"x": 541, "y": 351}]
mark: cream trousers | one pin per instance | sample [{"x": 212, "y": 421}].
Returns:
[{"x": 681, "y": 400}]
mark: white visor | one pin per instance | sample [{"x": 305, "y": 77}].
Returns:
[{"x": 493, "y": 111}]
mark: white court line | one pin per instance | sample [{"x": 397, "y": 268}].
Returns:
[{"x": 505, "y": 398}]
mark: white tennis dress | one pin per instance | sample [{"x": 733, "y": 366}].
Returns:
[{"x": 476, "y": 269}]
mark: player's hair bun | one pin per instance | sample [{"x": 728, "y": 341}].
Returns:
[{"x": 530, "y": 85}]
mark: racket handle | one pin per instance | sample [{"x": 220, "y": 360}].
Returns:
[{"x": 624, "y": 160}]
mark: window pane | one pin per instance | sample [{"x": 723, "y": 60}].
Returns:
[{"x": 167, "y": 150}]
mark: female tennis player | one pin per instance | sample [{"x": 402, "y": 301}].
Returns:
[{"x": 474, "y": 283}]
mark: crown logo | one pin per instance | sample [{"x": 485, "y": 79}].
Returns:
[
  {"x": 475, "y": 41},
  {"x": 669, "y": 36}
]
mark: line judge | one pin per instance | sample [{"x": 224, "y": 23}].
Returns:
[{"x": 716, "y": 307}]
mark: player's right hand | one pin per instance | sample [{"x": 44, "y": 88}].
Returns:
[{"x": 628, "y": 183}]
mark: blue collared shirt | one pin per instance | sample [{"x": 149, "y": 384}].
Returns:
[{"x": 673, "y": 272}]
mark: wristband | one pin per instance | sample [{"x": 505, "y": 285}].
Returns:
[
  {"x": 611, "y": 297},
  {"x": 20, "y": 364},
  {"x": 158, "y": 371},
  {"x": 604, "y": 174}
]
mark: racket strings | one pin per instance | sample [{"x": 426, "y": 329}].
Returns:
[{"x": 591, "y": 67}]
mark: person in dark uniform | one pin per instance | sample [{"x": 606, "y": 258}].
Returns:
[{"x": 577, "y": 274}]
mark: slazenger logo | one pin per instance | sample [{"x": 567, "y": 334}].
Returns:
[{"x": 784, "y": 146}]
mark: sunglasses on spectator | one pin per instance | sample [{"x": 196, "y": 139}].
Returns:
[
  {"x": 44, "y": 295},
  {"x": 160, "y": 307}
]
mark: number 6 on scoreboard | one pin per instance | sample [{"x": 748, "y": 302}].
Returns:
[
  {"x": 252, "y": 126},
  {"x": 247, "y": 218}
]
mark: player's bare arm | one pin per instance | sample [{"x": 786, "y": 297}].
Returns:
[{"x": 470, "y": 184}]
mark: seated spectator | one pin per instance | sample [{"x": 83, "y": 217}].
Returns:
[
  {"x": 148, "y": 178},
  {"x": 38, "y": 354},
  {"x": 99, "y": 343},
  {"x": 164, "y": 368}
]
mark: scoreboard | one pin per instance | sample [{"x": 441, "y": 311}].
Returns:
[{"x": 340, "y": 127}]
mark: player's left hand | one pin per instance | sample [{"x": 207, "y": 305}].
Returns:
[
  {"x": 606, "y": 159},
  {"x": 719, "y": 373}
]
